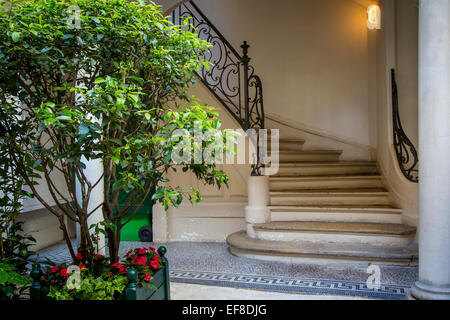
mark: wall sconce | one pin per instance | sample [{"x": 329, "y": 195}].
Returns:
[{"x": 374, "y": 17}]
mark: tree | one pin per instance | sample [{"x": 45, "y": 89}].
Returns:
[{"x": 96, "y": 81}]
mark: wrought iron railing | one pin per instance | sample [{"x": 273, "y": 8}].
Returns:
[
  {"x": 407, "y": 157},
  {"x": 230, "y": 77}
]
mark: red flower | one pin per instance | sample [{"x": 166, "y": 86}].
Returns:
[
  {"x": 147, "y": 277},
  {"x": 142, "y": 261},
  {"x": 154, "y": 264},
  {"x": 99, "y": 256},
  {"x": 82, "y": 266},
  {"x": 142, "y": 251},
  {"x": 79, "y": 256},
  {"x": 52, "y": 281},
  {"x": 151, "y": 248},
  {"x": 54, "y": 269},
  {"x": 128, "y": 253},
  {"x": 64, "y": 272}
]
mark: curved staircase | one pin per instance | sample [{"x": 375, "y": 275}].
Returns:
[{"x": 326, "y": 210}]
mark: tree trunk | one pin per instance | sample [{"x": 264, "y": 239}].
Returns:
[
  {"x": 2, "y": 249},
  {"x": 63, "y": 227},
  {"x": 112, "y": 246}
]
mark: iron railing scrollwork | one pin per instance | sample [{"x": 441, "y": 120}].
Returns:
[
  {"x": 407, "y": 157},
  {"x": 230, "y": 77}
]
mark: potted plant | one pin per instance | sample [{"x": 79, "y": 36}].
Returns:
[
  {"x": 143, "y": 274},
  {"x": 103, "y": 80}
]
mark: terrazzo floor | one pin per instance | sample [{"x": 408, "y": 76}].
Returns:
[{"x": 213, "y": 265}]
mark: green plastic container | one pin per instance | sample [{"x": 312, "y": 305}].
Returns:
[{"x": 143, "y": 218}]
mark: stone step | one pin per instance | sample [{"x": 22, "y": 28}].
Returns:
[
  {"x": 337, "y": 232},
  {"x": 308, "y": 155},
  {"x": 368, "y": 214},
  {"x": 287, "y": 144},
  {"x": 326, "y": 168},
  {"x": 362, "y": 197},
  {"x": 325, "y": 182},
  {"x": 309, "y": 252}
]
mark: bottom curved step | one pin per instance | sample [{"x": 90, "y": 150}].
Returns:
[{"x": 311, "y": 252}]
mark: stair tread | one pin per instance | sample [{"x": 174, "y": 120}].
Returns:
[
  {"x": 327, "y": 177},
  {"x": 344, "y": 227},
  {"x": 327, "y": 163},
  {"x": 241, "y": 240},
  {"x": 381, "y": 208},
  {"x": 359, "y": 191},
  {"x": 310, "y": 151},
  {"x": 289, "y": 140}
]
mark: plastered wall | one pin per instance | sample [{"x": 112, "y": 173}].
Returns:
[
  {"x": 313, "y": 58},
  {"x": 221, "y": 212}
]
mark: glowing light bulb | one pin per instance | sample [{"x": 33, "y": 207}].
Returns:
[{"x": 374, "y": 17}]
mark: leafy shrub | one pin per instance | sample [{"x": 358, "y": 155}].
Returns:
[
  {"x": 11, "y": 282},
  {"x": 101, "y": 280},
  {"x": 16, "y": 247},
  {"x": 101, "y": 91},
  {"x": 91, "y": 288}
]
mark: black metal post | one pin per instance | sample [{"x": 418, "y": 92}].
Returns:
[{"x": 245, "y": 61}]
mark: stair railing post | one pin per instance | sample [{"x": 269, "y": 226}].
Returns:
[{"x": 245, "y": 61}]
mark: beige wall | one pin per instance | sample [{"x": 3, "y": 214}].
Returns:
[
  {"x": 44, "y": 227},
  {"x": 407, "y": 62},
  {"x": 312, "y": 56},
  {"x": 404, "y": 193},
  {"x": 221, "y": 212},
  {"x": 40, "y": 222},
  {"x": 326, "y": 74}
]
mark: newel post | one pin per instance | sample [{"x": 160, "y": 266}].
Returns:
[
  {"x": 36, "y": 290},
  {"x": 245, "y": 61},
  {"x": 257, "y": 210}
]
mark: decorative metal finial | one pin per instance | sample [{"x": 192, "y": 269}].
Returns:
[{"x": 245, "y": 47}]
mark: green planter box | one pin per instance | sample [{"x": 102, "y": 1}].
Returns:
[{"x": 160, "y": 281}]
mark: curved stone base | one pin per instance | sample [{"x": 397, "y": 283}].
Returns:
[{"x": 423, "y": 291}]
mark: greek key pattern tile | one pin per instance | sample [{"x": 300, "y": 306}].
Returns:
[{"x": 293, "y": 285}]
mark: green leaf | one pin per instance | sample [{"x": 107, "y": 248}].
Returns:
[
  {"x": 83, "y": 129},
  {"x": 16, "y": 36},
  {"x": 6, "y": 267},
  {"x": 66, "y": 118},
  {"x": 37, "y": 163},
  {"x": 3, "y": 277},
  {"x": 17, "y": 279},
  {"x": 80, "y": 41}
]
